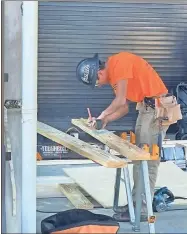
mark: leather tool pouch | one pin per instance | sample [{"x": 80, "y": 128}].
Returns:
[{"x": 168, "y": 110}]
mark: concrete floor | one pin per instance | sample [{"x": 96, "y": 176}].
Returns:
[{"x": 166, "y": 222}]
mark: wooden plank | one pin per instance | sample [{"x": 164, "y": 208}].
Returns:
[
  {"x": 124, "y": 147},
  {"x": 99, "y": 182},
  {"x": 80, "y": 147},
  {"x": 63, "y": 162},
  {"x": 54, "y": 180},
  {"x": 174, "y": 142},
  {"x": 181, "y": 145},
  {"x": 53, "y": 191},
  {"x": 48, "y": 191},
  {"x": 104, "y": 181},
  {"x": 72, "y": 192}
]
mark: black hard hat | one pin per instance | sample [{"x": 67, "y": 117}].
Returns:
[{"x": 87, "y": 69}]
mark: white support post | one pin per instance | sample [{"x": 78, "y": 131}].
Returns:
[{"x": 29, "y": 114}]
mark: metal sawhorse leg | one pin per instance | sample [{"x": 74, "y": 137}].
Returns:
[
  {"x": 128, "y": 192},
  {"x": 143, "y": 185}
]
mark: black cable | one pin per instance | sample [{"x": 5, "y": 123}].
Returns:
[
  {"x": 183, "y": 198},
  {"x": 47, "y": 212},
  {"x": 49, "y": 197},
  {"x": 50, "y": 212},
  {"x": 176, "y": 209}
]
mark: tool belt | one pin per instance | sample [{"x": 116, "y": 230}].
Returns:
[{"x": 166, "y": 108}]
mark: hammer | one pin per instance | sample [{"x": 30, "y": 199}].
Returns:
[{"x": 98, "y": 122}]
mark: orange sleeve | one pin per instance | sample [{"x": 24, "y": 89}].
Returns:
[{"x": 122, "y": 70}]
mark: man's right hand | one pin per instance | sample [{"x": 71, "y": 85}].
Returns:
[
  {"x": 105, "y": 121},
  {"x": 91, "y": 122}
]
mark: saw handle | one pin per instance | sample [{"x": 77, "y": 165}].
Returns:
[{"x": 99, "y": 124}]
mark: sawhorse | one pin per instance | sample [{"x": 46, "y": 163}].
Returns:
[{"x": 143, "y": 186}]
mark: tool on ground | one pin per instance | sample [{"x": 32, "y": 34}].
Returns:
[
  {"x": 162, "y": 198},
  {"x": 97, "y": 122}
]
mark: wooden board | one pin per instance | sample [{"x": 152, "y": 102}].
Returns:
[
  {"x": 63, "y": 162},
  {"x": 80, "y": 147},
  {"x": 99, "y": 182},
  {"x": 54, "y": 180},
  {"x": 174, "y": 142},
  {"x": 72, "y": 192},
  {"x": 113, "y": 141},
  {"x": 48, "y": 186},
  {"x": 48, "y": 191}
]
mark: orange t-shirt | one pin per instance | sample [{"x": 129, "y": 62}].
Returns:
[{"x": 143, "y": 80}]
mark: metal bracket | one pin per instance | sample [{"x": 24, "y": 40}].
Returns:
[
  {"x": 5, "y": 77},
  {"x": 21, "y": 7},
  {"x": 13, "y": 104},
  {"x": 8, "y": 156}
]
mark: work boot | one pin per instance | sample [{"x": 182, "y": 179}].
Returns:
[
  {"x": 121, "y": 209},
  {"x": 122, "y": 214},
  {"x": 125, "y": 217}
]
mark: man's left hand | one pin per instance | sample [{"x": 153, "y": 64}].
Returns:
[{"x": 104, "y": 121}]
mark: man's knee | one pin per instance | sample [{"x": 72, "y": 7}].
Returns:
[
  {"x": 153, "y": 171},
  {"x": 136, "y": 169},
  {"x": 153, "y": 165}
]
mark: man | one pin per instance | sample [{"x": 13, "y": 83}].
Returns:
[{"x": 133, "y": 80}]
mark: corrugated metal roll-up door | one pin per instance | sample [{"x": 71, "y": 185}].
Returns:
[{"x": 71, "y": 30}]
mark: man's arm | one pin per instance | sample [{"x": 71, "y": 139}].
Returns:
[
  {"x": 122, "y": 111},
  {"x": 119, "y": 100}
]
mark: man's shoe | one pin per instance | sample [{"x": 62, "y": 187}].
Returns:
[
  {"x": 125, "y": 217},
  {"x": 121, "y": 209}
]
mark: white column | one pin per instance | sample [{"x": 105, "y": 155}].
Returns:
[{"x": 29, "y": 114}]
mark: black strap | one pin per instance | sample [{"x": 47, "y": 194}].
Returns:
[{"x": 149, "y": 102}]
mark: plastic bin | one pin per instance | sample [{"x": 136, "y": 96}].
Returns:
[{"x": 181, "y": 93}]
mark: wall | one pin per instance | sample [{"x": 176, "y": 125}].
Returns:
[
  {"x": 73, "y": 30},
  {"x": 12, "y": 90}
]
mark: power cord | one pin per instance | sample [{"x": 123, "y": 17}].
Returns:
[
  {"x": 176, "y": 209},
  {"x": 52, "y": 212},
  {"x": 47, "y": 212}
]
